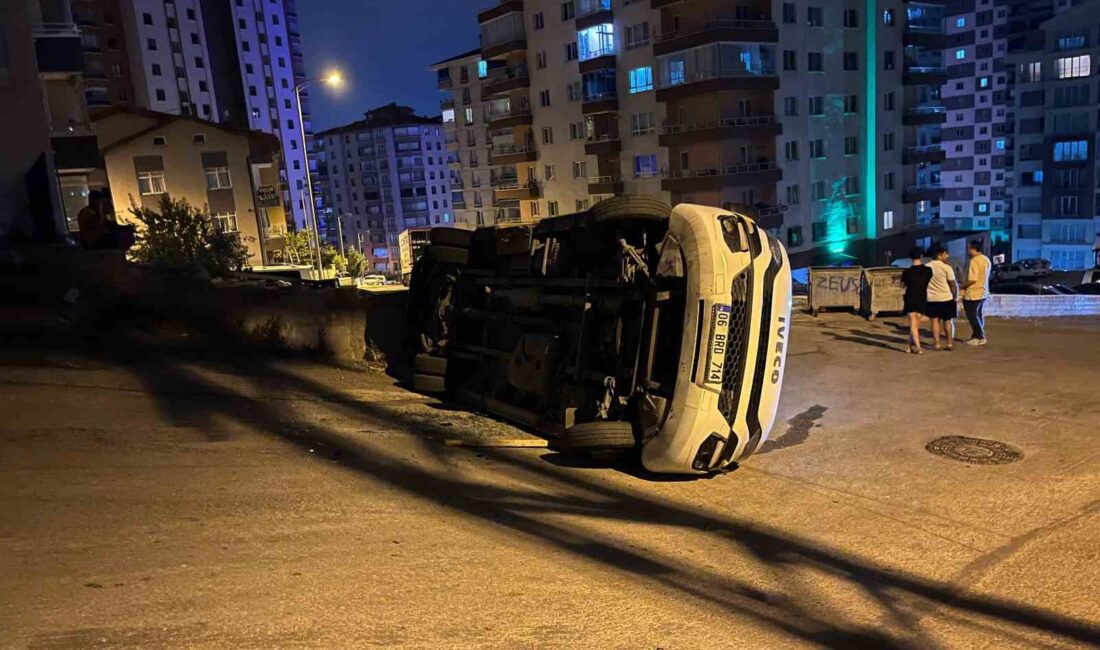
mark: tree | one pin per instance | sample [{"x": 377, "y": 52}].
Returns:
[
  {"x": 181, "y": 236},
  {"x": 299, "y": 245},
  {"x": 356, "y": 263}
]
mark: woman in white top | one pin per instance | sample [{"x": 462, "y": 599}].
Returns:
[{"x": 943, "y": 294}]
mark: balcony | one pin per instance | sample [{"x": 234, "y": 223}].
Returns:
[
  {"x": 445, "y": 82},
  {"x": 917, "y": 193},
  {"x": 515, "y": 190},
  {"x": 600, "y": 102},
  {"x": 710, "y": 81},
  {"x": 714, "y": 178},
  {"x": 605, "y": 185},
  {"x": 723, "y": 129},
  {"x": 76, "y": 152},
  {"x": 503, "y": 80},
  {"x": 510, "y": 154},
  {"x": 924, "y": 115},
  {"x": 932, "y": 75},
  {"x": 446, "y": 104},
  {"x": 715, "y": 30},
  {"x": 931, "y": 153},
  {"x": 503, "y": 119},
  {"x": 927, "y": 34},
  {"x": 603, "y": 144}
]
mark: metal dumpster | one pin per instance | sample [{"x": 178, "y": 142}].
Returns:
[
  {"x": 835, "y": 287},
  {"x": 882, "y": 291}
]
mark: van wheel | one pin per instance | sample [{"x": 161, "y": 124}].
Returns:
[
  {"x": 448, "y": 255},
  {"x": 427, "y": 364},
  {"x": 429, "y": 384},
  {"x": 454, "y": 237},
  {"x": 598, "y": 436}
]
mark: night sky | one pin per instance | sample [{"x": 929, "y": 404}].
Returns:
[{"x": 384, "y": 48}]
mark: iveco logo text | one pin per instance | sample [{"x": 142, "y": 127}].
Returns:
[{"x": 777, "y": 363}]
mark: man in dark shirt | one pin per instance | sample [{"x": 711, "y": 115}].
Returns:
[{"x": 916, "y": 279}]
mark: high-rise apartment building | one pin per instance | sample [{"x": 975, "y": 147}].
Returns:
[
  {"x": 381, "y": 175},
  {"x": 235, "y": 61},
  {"x": 824, "y": 120},
  {"x": 1054, "y": 172},
  {"x": 975, "y": 135}
]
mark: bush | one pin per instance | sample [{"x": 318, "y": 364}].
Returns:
[
  {"x": 299, "y": 244},
  {"x": 182, "y": 237}
]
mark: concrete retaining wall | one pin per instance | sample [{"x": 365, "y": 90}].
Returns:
[{"x": 1042, "y": 306}]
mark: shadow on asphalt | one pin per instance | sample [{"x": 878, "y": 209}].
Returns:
[{"x": 904, "y": 598}]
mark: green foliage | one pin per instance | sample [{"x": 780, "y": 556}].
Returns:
[
  {"x": 328, "y": 255},
  {"x": 183, "y": 237},
  {"x": 356, "y": 263},
  {"x": 299, "y": 243},
  {"x": 341, "y": 264}
]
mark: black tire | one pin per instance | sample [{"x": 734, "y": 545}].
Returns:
[
  {"x": 448, "y": 255},
  {"x": 427, "y": 364},
  {"x": 454, "y": 237},
  {"x": 629, "y": 206},
  {"x": 601, "y": 435},
  {"x": 429, "y": 384}
]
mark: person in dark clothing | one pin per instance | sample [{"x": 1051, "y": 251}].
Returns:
[{"x": 916, "y": 279}]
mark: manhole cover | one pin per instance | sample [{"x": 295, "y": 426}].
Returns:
[{"x": 974, "y": 450}]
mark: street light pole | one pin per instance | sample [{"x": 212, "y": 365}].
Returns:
[{"x": 340, "y": 233}]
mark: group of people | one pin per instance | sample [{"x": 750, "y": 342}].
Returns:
[{"x": 933, "y": 291}]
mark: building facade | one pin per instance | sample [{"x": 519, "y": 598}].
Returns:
[
  {"x": 233, "y": 62},
  {"x": 1055, "y": 179},
  {"x": 824, "y": 120},
  {"x": 213, "y": 166},
  {"x": 380, "y": 176}
]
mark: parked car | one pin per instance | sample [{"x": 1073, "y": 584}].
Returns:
[
  {"x": 628, "y": 326},
  {"x": 374, "y": 280},
  {"x": 1062, "y": 289},
  {"x": 1091, "y": 275},
  {"x": 1024, "y": 289},
  {"x": 1090, "y": 289},
  {"x": 1023, "y": 270}
]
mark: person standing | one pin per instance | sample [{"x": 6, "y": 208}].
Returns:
[
  {"x": 975, "y": 291},
  {"x": 915, "y": 279},
  {"x": 943, "y": 294}
]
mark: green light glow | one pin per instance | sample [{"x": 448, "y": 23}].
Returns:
[
  {"x": 870, "y": 141},
  {"x": 837, "y": 247}
]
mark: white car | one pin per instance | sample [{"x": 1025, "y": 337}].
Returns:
[
  {"x": 374, "y": 280},
  {"x": 628, "y": 326},
  {"x": 1024, "y": 270}
]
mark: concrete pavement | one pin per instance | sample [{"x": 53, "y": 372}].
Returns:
[{"x": 154, "y": 499}]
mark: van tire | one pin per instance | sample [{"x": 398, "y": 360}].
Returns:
[
  {"x": 630, "y": 207},
  {"x": 448, "y": 255},
  {"x": 598, "y": 436},
  {"x": 454, "y": 237},
  {"x": 427, "y": 364},
  {"x": 429, "y": 384}
]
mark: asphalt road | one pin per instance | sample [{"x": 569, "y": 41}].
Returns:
[{"x": 153, "y": 498}]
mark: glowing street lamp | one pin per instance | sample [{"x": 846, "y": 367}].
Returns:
[{"x": 332, "y": 79}]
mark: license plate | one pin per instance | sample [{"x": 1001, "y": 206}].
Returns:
[{"x": 719, "y": 341}]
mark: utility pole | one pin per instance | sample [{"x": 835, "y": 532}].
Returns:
[{"x": 340, "y": 233}]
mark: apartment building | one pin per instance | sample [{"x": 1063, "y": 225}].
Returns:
[
  {"x": 236, "y": 62},
  {"x": 227, "y": 171},
  {"x": 703, "y": 101},
  {"x": 49, "y": 149},
  {"x": 1055, "y": 122},
  {"x": 381, "y": 175},
  {"x": 974, "y": 133}
]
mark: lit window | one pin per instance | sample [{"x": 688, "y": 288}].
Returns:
[
  {"x": 887, "y": 219},
  {"x": 225, "y": 221},
  {"x": 1074, "y": 150},
  {"x": 217, "y": 178},
  {"x": 641, "y": 79},
  {"x": 1001, "y": 144},
  {"x": 960, "y": 22},
  {"x": 482, "y": 69},
  {"x": 645, "y": 166},
  {"x": 597, "y": 40},
  {"x": 960, "y": 54},
  {"x": 151, "y": 183},
  {"x": 1073, "y": 66}
]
